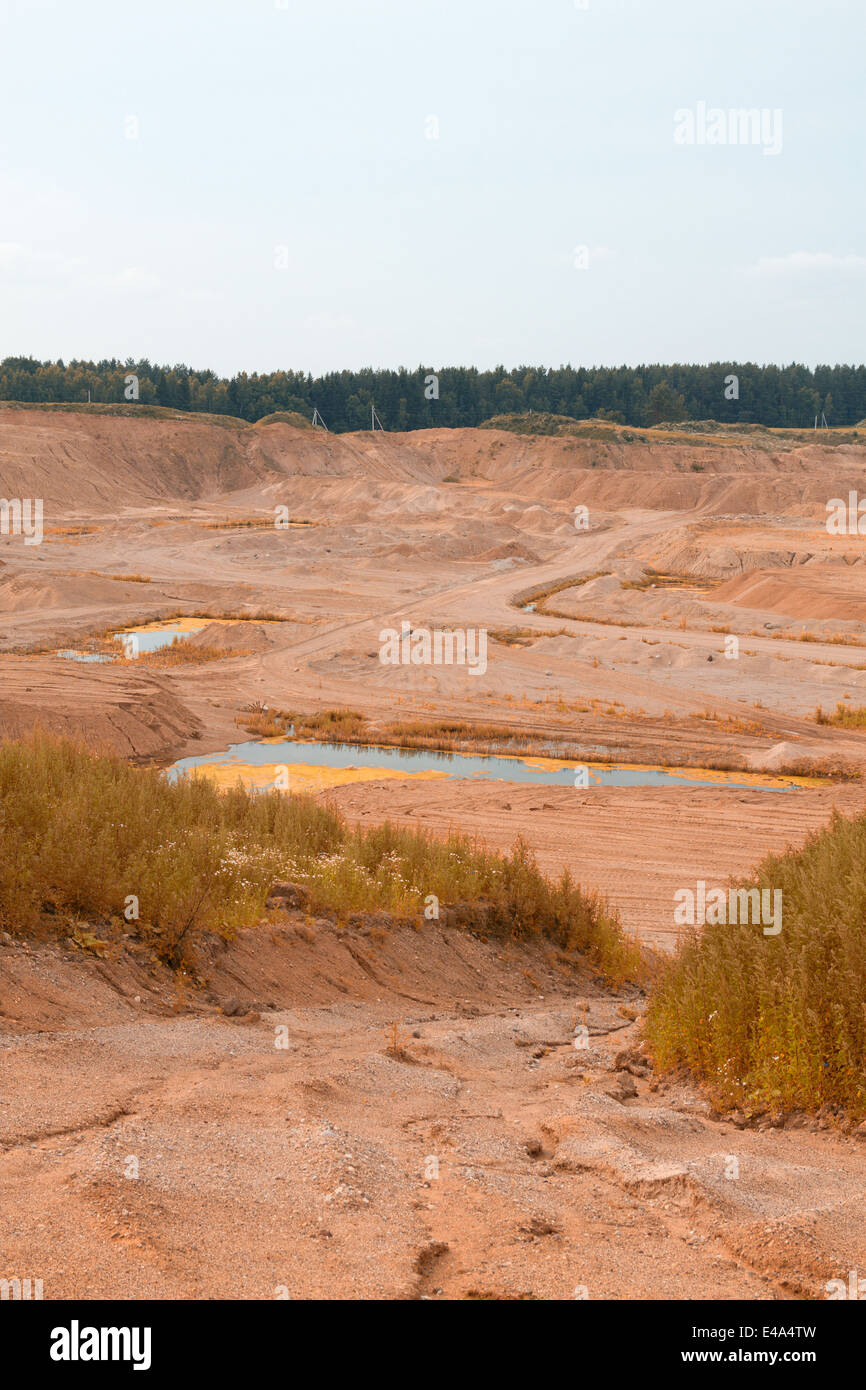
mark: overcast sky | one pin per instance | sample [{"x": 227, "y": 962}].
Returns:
[{"x": 319, "y": 184}]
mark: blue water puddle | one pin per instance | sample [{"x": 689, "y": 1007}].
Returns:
[
  {"x": 159, "y": 637},
  {"x": 136, "y": 642},
  {"x": 83, "y": 656},
  {"x": 487, "y": 767}
]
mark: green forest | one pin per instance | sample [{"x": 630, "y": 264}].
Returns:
[{"x": 733, "y": 393}]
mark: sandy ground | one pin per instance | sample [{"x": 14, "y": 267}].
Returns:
[
  {"x": 304, "y": 1168},
  {"x": 158, "y": 1149},
  {"x": 674, "y": 836}
]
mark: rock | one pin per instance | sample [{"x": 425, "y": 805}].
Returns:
[
  {"x": 860, "y": 1132},
  {"x": 796, "y": 1120},
  {"x": 632, "y": 1060},
  {"x": 533, "y": 1147},
  {"x": 6, "y": 939},
  {"x": 623, "y": 1088},
  {"x": 288, "y": 896},
  {"x": 233, "y": 1008},
  {"x": 540, "y": 1226}
]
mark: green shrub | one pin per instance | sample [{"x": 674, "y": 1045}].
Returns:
[{"x": 778, "y": 1022}]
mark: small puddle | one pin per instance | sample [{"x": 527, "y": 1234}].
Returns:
[
  {"x": 313, "y": 766},
  {"x": 150, "y": 637},
  {"x": 83, "y": 656},
  {"x": 153, "y": 636}
]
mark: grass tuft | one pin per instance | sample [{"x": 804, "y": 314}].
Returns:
[{"x": 843, "y": 717}]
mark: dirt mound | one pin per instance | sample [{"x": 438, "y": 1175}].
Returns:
[
  {"x": 292, "y": 961},
  {"x": 509, "y": 550},
  {"x": 25, "y": 592},
  {"x": 241, "y": 637},
  {"x": 115, "y": 708},
  {"x": 816, "y": 591},
  {"x": 82, "y": 463}
]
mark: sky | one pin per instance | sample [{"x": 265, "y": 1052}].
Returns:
[{"x": 324, "y": 184}]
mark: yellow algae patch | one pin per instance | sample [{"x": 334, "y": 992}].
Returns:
[
  {"x": 302, "y": 777},
  {"x": 756, "y": 779},
  {"x": 181, "y": 624},
  {"x": 193, "y": 624},
  {"x": 551, "y": 764},
  {"x": 703, "y": 774}
]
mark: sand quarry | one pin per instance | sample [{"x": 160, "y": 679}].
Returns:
[{"x": 429, "y": 1129}]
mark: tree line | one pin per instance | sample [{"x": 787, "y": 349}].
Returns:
[{"x": 425, "y": 397}]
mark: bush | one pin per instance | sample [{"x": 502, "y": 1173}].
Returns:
[
  {"x": 843, "y": 717},
  {"x": 80, "y": 832},
  {"x": 773, "y": 1023}
]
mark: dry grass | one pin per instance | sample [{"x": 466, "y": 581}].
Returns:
[
  {"x": 81, "y": 832},
  {"x": 181, "y": 652},
  {"x": 773, "y": 1023},
  {"x": 118, "y": 578},
  {"x": 252, "y": 523},
  {"x": 479, "y": 739},
  {"x": 539, "y": 596},
  {"x": 515, "y": 636},
  {"x": 659, "y": 579},
  {"x": 843, "y": 717},
  {"x": 339, "y": 725},
  {"x": 238, "y": 615},
  {"x": 732, "y": 724},
  {"x": 64, "y": 532},
  {"x": 261, "y": 724},
  {"x": 830, "y": 639}
]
